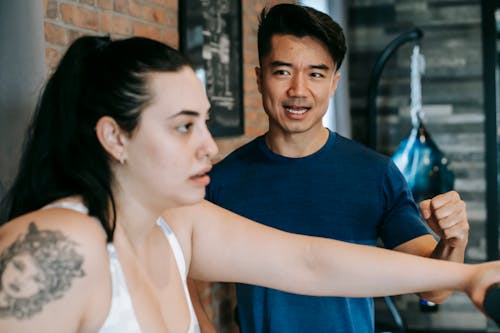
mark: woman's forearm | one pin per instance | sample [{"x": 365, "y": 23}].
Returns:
[{"x": 344, "y": 269}]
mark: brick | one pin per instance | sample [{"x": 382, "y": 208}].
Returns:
[
  {"x": 105, "y": 4},
  {"x": 52, "y": 57},
  {"x": 148, "y": 13},
  {"x": 254, "y": 117},
  {"x": 79, "y": 16},
  {"x": 45, "y": 4},
  {"x": 255, "y": 131},
  {"x": 170, "y": 37},
  {"x": 161, "y": 3},
  {"x": 116, "y": 24},
  {"x": 74, "y": 34},
  {"x": 55, "y": 34},
  {"x": 145, "y": 30},
  {"x": 169, "y": 3},
  {"x": 88, "y": 2},
  {"x": 51, "y": 9},
  {"x": 252, "y": 103},
  {"x": 171, "y": 18},
  {"x": 121, "y": 6}
]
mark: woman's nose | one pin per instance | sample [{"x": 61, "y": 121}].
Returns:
[{"x": 208, "y": 146}]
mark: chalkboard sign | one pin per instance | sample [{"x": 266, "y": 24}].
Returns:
[{"x": 210, "y": 35}]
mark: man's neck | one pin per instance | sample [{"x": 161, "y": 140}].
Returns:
[{"x": 296, "y": 144}]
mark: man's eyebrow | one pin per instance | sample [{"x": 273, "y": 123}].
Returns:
[
  {"x": 278, "y": 63},
  {"x": 322, "y": 67}
]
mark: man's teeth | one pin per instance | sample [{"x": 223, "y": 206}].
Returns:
[{"x": 301, "y": 111}]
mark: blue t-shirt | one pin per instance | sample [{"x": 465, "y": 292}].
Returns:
[{"x": 343, "y": 191}]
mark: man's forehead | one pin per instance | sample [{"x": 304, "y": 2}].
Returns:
[{"x": 307, "y": 51}]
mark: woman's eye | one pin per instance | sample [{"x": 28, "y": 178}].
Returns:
[{"x": 184, "y": 128}]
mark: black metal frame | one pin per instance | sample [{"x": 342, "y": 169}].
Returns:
[
  {"x": 412, "y": 35},
  {"x": 489, "y": 39},
  {"x": 202, "y": 23}
]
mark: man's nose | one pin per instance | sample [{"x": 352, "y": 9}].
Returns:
[{"x": 298, "y": 86}]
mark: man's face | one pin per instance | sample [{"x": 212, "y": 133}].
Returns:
[{"x": 296, "y": 81}]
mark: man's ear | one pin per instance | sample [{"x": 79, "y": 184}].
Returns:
[
  {"x": 258, "y": 76},
  {"x": 111, "y": 138},
  {"x": 335, "y": 82}
]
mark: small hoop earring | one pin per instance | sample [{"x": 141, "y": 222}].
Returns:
[{"x": 122, "y": 160}]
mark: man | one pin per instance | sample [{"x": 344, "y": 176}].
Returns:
[{"x": 303, "y": 178}]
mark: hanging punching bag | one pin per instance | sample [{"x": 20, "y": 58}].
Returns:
[
  {"x": 418, "y": 157},
  {"x": 423, "y": 165}
]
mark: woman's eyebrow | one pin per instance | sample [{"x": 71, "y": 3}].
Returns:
[{"x": 186, "y": 113}]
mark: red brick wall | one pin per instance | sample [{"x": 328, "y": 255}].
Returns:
[{"x": 66, "y": 20}]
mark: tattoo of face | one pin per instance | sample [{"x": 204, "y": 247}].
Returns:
[{"x": 35, "y": 270}]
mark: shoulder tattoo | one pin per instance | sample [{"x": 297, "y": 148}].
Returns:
[{"x": 35, "y": 270}]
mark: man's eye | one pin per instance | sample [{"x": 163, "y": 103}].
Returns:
[
  {"x": 317, "y": 75},
  {"x": 281, "y": 72}
]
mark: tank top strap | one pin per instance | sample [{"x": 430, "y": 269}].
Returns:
[
  {"x": 194, "y": 326},
  {"x": 176, "y": 247},
  {"x": 73, "y": 205}
]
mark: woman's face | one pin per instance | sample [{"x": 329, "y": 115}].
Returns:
[
  {"x": 22, "y": 278},
  {"x": 169, "y": 153}
]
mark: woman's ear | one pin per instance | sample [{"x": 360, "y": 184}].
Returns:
[{"x": 111, "y": 138}]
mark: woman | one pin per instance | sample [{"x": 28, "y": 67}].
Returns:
[{"x": 119, "y": 136}]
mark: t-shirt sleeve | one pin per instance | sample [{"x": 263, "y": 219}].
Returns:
[
  {"x": 402, "y": 220},
  {"x": 210, "y": 192},
  {"x": 214, "y": 188}
]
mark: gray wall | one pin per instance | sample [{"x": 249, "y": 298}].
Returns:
[{"x": 22, "y": 72}]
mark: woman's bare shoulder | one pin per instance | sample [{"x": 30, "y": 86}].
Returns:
[
  {"x": 50, "y": 260},
  {"x": 54, "y": 223}
]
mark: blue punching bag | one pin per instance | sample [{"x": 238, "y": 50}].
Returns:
[
  {"x": 418, "y": 157},
  {"x": 423, "y": 165}
]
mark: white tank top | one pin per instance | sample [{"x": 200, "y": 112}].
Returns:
[{"x": 121, "y": 317}]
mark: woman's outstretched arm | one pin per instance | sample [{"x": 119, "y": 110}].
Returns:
[{"x": 222, "y": 246}]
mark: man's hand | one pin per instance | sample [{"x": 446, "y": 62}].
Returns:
[{"x": 447, "y": 217}]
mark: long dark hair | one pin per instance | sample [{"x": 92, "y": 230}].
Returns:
[
  {"x": 62, "y": 156},
  {"x": 300, "y": 21}
]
